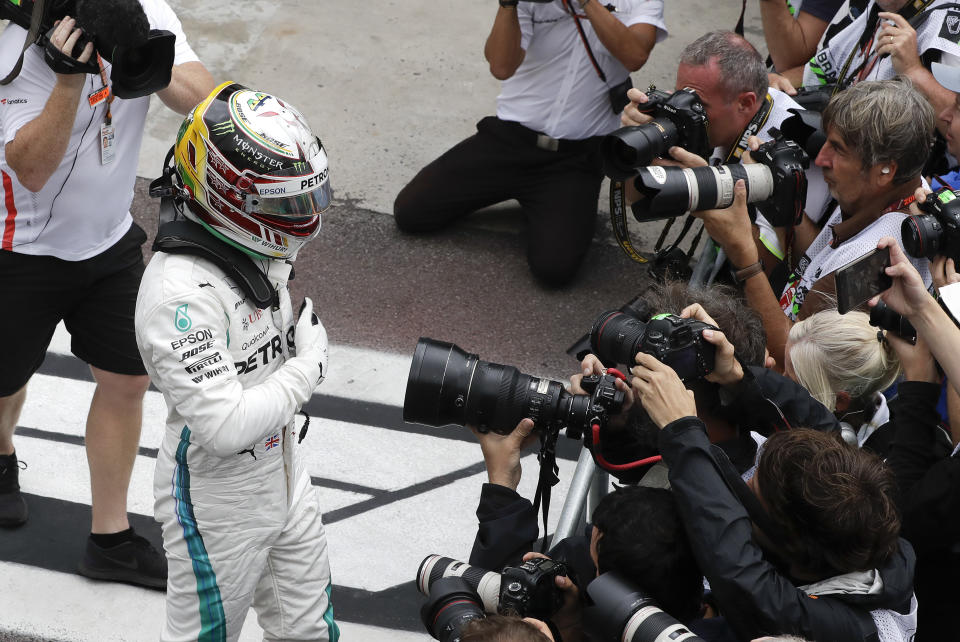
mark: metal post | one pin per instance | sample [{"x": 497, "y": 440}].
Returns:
[{"x": 571, "y": 517}]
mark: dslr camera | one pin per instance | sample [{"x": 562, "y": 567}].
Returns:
[
  {"x": 447, "y": 385},
  {"x": 617, "y": 337},
  {"x": 678, "y": 119},
  {"x": 777, "y": 183},
  {"x": 937, "y": 230},
  {"x": 459, "y": 593},
  {"x": 141, "y": 58}
]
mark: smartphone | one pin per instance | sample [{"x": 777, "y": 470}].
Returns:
[{"x": 862, "y": 279}]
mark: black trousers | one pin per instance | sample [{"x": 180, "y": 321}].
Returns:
[{"x": 557, "y": 190}]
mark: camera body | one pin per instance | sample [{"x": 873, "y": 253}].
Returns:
[
  {"x": 678, "y": 119},
  {"x": 617, "y": 337},
  {"x": 530, "y": 590},
  {"x": 788, "y": 163},
  {"x": 527, "y": 590},
  {"x": 937, "y": 230},
  {"x": 777, "y": 183}
]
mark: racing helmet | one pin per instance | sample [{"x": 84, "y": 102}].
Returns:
[{"x": 254, "y": 174}]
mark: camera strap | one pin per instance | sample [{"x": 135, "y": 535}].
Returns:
[
  {"x": 583, "y": 39},
  {"x": 548, "y": 477},
  {"x": 33, "y": 33}
]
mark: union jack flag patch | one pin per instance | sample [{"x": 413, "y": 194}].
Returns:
[{"x": 273, "y": 441}]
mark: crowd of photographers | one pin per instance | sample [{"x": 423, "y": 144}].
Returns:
[{"x": 784, "y": 438}]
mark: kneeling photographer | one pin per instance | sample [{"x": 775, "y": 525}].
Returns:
[{"x": 795, "y": 531}]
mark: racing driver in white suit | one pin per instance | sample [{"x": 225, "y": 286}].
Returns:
[{"x": 216, "y": 329}]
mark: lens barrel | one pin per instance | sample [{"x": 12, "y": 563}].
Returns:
[
  {"x": 620, "y": 611},
  {"x": 628, "y": 148},
  {"x": 450, "y": 607},
  {"x": 486, "y": 583},
  {"x": 447, "y": 385},
  {"x": 673, "y": 191},
  {"x": 921, "y": 235},
  {"x": 616, "y": 337}
]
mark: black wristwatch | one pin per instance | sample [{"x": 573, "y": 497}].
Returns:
[{"x": 509, "y": 3}]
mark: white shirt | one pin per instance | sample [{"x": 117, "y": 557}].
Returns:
[
  {"x": 839, "y": 44},
  {"x": 83, "y": 208},
  {"x": 556, "y": 89},
  {"x": 821, "y": 259}
]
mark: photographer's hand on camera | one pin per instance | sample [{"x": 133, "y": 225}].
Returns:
[
  {"x": 659, "y": 389},
  {"x": 501, "y": 453},
  {"x": 591, "y": 365},
  {"x": 679, "y": 157},
  {"x": 38, "y": 147},
  {"x": 732, "y": 229},
  {"x": 569, "y": 619},
  {"x": 632, "y": 116},
  {"x": 727, "y": 371}
]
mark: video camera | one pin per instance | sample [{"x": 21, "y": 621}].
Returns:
[
  {"x": 678, "y": 119},
  {"x": 937, "y": 230},
  {"x": 459, "y": 593},
  {"x": 141, "y": 58}
]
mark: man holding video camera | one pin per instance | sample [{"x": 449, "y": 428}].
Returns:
[
  {"x": 787, "y": 552},
  {"x": 565, "y": 68},
  {"x": 69, "y": 250}
]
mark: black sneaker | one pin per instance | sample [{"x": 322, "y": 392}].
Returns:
[
  {"x": 135, "y": 561},
  {"x": 13, "y": 507}
]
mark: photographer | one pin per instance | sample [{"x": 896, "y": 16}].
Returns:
[
  {"x": 804, "y": 534},
  {"x": 877, "y": 40},
  {"x": 928, "y": 474},
  {"x": 767, "y": 401},
  {"x": 562, "y": 88},
  {"x": 730, "y": 79},
  {"x": 71, "y": 252},
  {"x": 878, "y": 136},
  {"x": 636, "y": 531}
]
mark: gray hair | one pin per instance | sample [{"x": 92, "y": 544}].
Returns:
[
  {"x": 741, "y": 66},
  {"x": 882, "y": 121}
]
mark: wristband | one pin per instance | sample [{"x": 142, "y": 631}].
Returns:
[
  {"x": 509, "y": 3},
  {"x": 741, "y": 275}
]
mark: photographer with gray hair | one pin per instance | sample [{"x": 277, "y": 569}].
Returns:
[{"x": 878, "y": 136}]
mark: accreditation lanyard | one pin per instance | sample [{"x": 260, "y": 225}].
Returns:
[{"x": 107, "y": 131}]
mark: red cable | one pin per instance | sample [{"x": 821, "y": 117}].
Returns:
[{"x": 607, "y": 465}]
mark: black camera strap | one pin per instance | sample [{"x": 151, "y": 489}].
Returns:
[
  {"x": 548, "y": 476},
  {"x": 33, "y": 33}
]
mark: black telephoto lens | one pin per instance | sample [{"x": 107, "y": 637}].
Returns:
[
  {"x": 452, "y": 604},
  {"x": 629, "y": 148},
  {"x": 620, "y": 612},
  {"x": 616, "y": 337},
  {"x": 448, "y": 385},
  {"x": 921, "y": 235}
]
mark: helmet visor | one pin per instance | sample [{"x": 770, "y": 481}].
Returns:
[{"x": 301, "y": 205}]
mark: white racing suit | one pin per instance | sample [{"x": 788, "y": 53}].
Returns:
[{"x": 241, "y": 519}]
